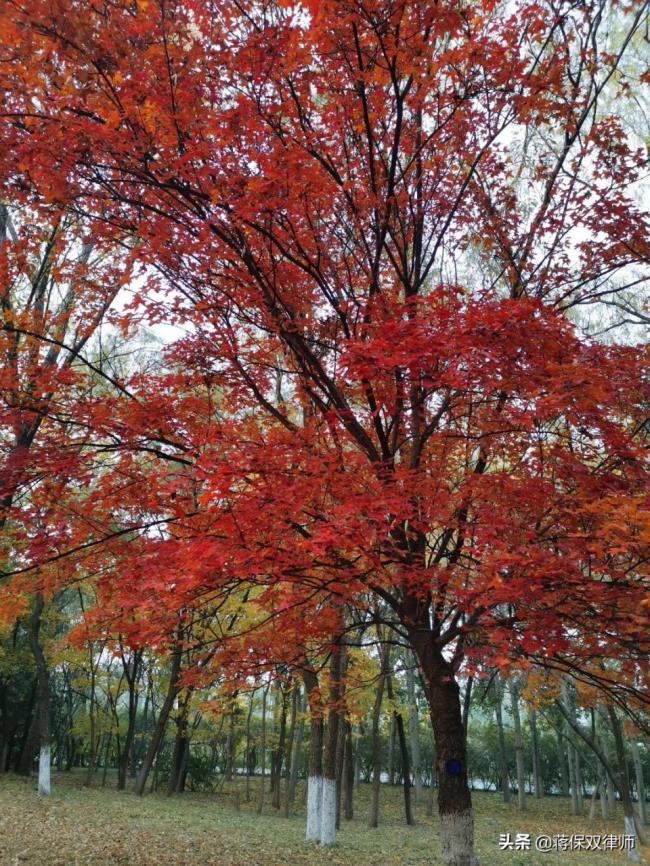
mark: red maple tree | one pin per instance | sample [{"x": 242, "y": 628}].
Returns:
[{"x": 375, "y": 217}]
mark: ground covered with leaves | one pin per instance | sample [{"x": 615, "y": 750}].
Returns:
[{"x": 98, "y": 826}]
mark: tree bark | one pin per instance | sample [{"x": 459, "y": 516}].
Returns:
[
  {"x": 562, "y": 762},
  {"x": 454, "y": 796},
  {"x": 29, "y": 743},
  {"x": 376, "y": 744},
  {"x": 278, "y": 756},
  {"x": 391, "y": 751},
  {"x": 43, "y": 710},
  {"x": 414, "y": 733},
  {"x": 315, "y": 777},
  {"x": 161, "y": 723},
  {"x": 230, "y": 743},
  {"x": 574, "y": 767},
  {"x": 503, "y": 757},
  {"x": 297, "y": 752},
  {"x": 260, "y": 805},
  {"x": 640, "y": 782},
  {"x": 181, "y": 746},
  {"x": 295, "y": 694},
  {"x": 401, "y": 739},
  {"x": 348, "y": 789},
  {"x": 632, "y": 824},
  {"x": 519, "y": 747},
  {"x": 328, "y": 806},
  {"x": 537, "y": 770},
  {"x": 131, "y": 674},
  {"x": 249, "y": 769}
]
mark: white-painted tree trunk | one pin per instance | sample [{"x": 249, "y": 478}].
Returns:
[
  {"x": 314, "y": 802},
  {"x": 630, "y": 830},
  {"x": 457, "y": 839},
  {"x": 328, "y": 813},
  {"x": 44, "y": 764}
]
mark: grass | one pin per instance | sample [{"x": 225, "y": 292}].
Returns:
[{"x": 100, "y": 827}]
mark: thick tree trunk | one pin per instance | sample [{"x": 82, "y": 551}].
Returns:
[
  {"x": 519, "y": 747},
  {"x": 454, "y": 797}
]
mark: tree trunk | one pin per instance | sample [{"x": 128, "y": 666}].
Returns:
[
  {"x": 249, "y": 769},
  {"x": 181, "y": 746},
  {"x": 604, "y": 798},
  {"x": 260, "y": 805},
  {"x": 562, "y": 761},
  {"x": 376, "y": 743},
  {"x": 315, "y": 777},
  {"x": 578, "y": 777},
  {"x": 467, "y": 702},
  {"x": 43, "y": 713},
  {"x": 537, "y": 770},
  {"x": 454, "y": 796},
  {"x": 278, "y": 756},
  {"x": 297, "y": 752},
  {"x": 401, "y": 739},
  {"x": 348, "y": 776},
  {"x": 391, "y": 752},
  {"x": 640, "y": 782},
  {"x": 131, "y": 674},
  {"x": 592, "y": 806},
  {"x": 161, "y": 723},
  {"x": 632, "y": 825},
  {"x": 574, "y": 767},
  {"x": 29, "y": 743},
  {"x": 519, "y": 747},
  {"x": 503, "y": 756},
  {"x": 328, "y": 805},
  {"x": 414, "y": 733},
  {"x": 230, "y": 743},
  {"x": 295, "y": 693},
  {"x": 107, "y": 751},
  {"x": 340, "y": 760}
]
